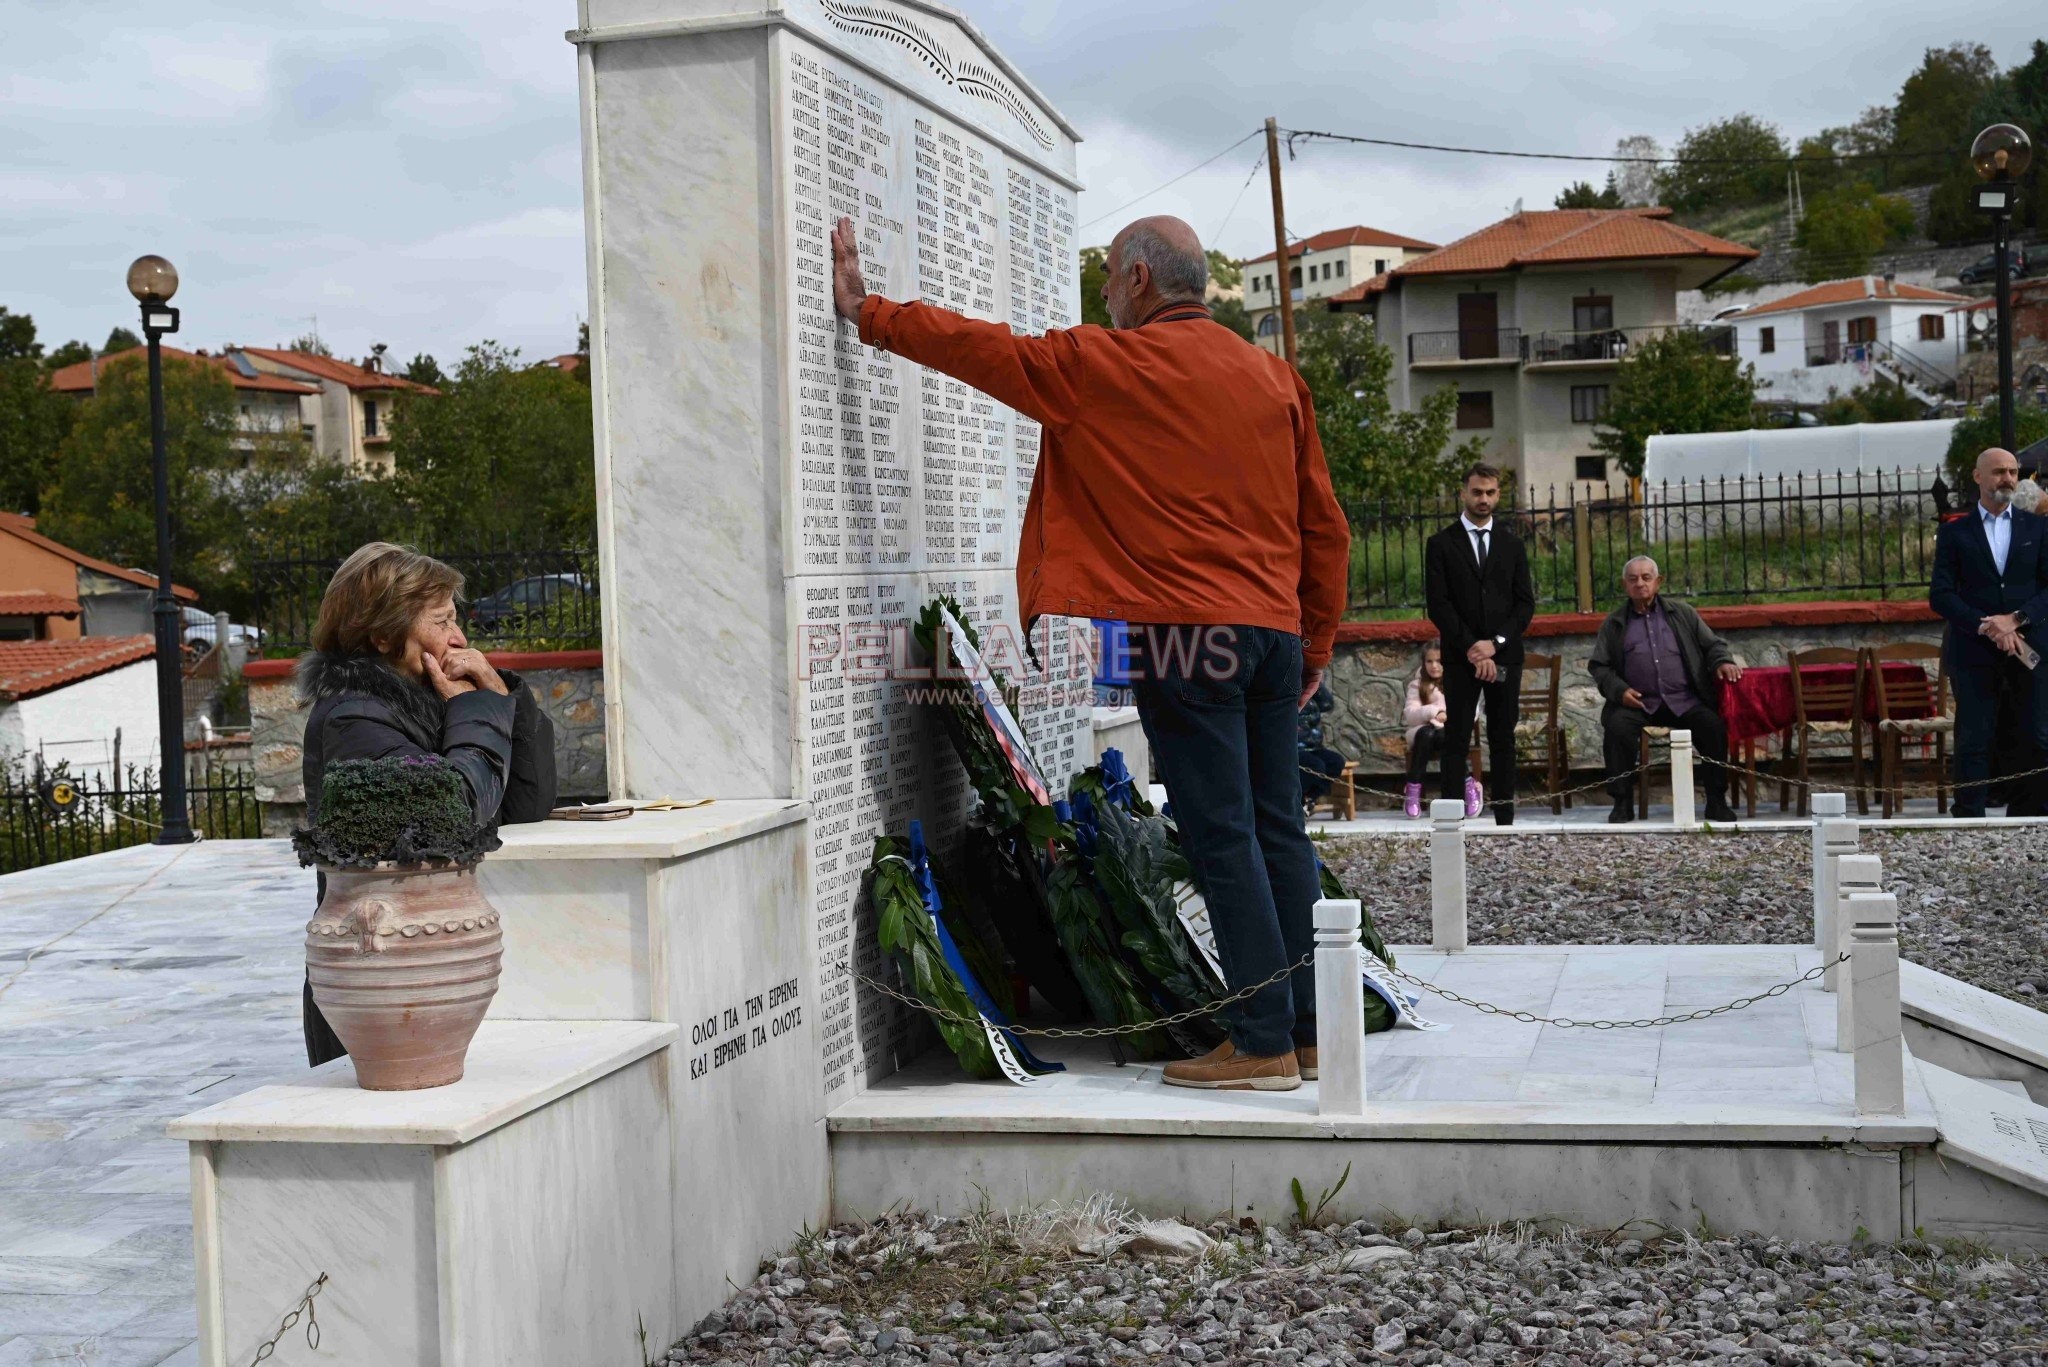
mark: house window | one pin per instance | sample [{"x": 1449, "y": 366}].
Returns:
[
  {"x": 1294, "y": 278},
  {"x": 1589, "y": 402},
  {"x": 1594, "y": 313},
  {"x": 1932, "y": 327},
  {"x": 1475, "y": 410},
  {"x": 1340, "y": 270},
  {"x": 1269, "y": 325},
  {"x": 1767, "y": 340},
  {"x": 369, "y": 417},
  {"x": 1862, "y": 331},
  {"x": 1379, "y": 265},
  {"x": 1590, "y": 467}
]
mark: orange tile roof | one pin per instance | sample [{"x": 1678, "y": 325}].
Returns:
[
  {"x": 1550, "y": 237},
  {"x": 2022, "y": 297},
  {"x": 1360, "y": 292},
  {"x": 343, "y": 372},
  {"x": 83, "y": 377},
  {"x": 36, "y": 603},
  {"x": 1360, "y": 236},
  {"x": 31, "y": 667},
  {"x": 1874, "y": 287},
  {"x": 15, "y": 524}
]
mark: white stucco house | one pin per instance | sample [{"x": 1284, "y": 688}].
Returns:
[
  {"x": 68, "y": 700},
  {"x": 1841, "y": 334}
]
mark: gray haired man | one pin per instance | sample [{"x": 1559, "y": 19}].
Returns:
[{"x": 1656, "y": 663}]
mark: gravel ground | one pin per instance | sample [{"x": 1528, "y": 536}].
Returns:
[
  {"x": 996, "y": 1290},
  {"x": 1972, "y": 904}
]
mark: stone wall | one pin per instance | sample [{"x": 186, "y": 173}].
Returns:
[
  {"x": 568, "y": 684},
  {"x": 1374, "y": 660}
]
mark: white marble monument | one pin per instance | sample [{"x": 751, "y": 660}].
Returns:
[{"x": 777, "y": 501}]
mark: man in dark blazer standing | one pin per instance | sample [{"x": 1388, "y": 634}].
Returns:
[
  {"x": 1476, "y": 581},
  {"x": 1990, "y": 582}
]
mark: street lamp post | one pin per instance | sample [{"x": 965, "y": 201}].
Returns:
[
  {"x": 2001, "y": 154},
  {"x": 153, "y": 280}
]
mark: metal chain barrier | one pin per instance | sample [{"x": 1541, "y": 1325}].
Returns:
[
  {"x": 1485, "y": 1008},
  {"x": 1081, "y": 1031},
  {"x": 1533, "y": 800},
  {"x": 1834, "y": 784},
  {"x": 1567, "y": 1023},
  {"x": 305, "y": 1306}
]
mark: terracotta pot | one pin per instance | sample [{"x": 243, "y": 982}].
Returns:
[{"x": 404, "y": 961}]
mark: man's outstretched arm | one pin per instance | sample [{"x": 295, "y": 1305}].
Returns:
[{"x": 1037, "y": 376}]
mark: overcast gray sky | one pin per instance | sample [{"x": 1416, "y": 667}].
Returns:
[{"x": 407, "y": 170}]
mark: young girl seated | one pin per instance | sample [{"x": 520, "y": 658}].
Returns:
[{"x": 1424, "y": 717}]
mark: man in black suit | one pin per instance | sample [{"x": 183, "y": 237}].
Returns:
[
  {"x": 1476, "y": 581},
  {"x": 1990, "y": 582}
]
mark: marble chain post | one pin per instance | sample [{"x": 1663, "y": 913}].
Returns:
[
  {"x": 1838, "y": 839},
  {"x": 1879, "y": 1058},
  {"x": 1340, "y": 1009},
  {"x": 1447, "y": 874},
  {"x": 1826, "y": 807},
  {"x": 1855, "y": 874},
  {"x": 1681, "y": 782}
]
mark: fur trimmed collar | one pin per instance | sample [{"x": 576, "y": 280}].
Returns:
[{"x": 321, "y": 675}]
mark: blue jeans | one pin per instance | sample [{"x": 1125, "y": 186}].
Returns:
[
  {"x": 1976, "y": 687},
  {"x": 1219, "y": 706}
]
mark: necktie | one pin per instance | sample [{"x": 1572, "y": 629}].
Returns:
[{"x": 1482, "y": 547}]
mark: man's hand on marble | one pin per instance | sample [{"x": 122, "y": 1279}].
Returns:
[{"x": 848, "y": 286}]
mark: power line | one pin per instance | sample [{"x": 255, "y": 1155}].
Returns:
[
  {"x": 1176, "y": 180},
  {"x": 1318, "y": 135},
  {"x": 1257, "y": 162}
]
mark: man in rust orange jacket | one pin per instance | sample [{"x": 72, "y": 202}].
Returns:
[{"x": 1181, "y": 488}]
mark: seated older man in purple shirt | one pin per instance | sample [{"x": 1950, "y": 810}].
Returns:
[{"x": 1655, "y": 663}]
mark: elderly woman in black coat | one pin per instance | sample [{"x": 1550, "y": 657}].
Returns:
[{"x": 391, "y": 673}]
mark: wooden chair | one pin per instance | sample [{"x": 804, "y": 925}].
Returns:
[
  {"x": 1910, "y": 709},
  {"x": 1827, "y": 709},
  {"x": 1539, "y": 731}
]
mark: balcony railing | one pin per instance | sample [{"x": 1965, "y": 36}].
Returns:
[
  {"x": 1612, "y": 344},
  {"x": 1492, "y": 344}
]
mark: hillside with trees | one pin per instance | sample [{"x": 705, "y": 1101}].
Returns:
[{"x": 1898, "y": 176}]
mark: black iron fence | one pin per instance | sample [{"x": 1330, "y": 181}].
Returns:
[
  {"x": 515, "y": 597},
  {"x": 1847, "y": 536},
  {"x": 50, "y": 816}
]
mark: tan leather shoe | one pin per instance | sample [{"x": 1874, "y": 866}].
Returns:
[
  {"x": 1305, "y": 1055},
  {"x": 1223, "y": 1069}
]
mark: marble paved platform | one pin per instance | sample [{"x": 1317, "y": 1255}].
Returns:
[
  {"x": 1765, "y": 1074},
  {"x": 135, "y": 986}
]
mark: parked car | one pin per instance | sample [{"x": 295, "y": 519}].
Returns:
[
  {"x": 531, "y": 597},
  {"x": 200, "y": 634},
  {"x": 1985, "y": 268}
]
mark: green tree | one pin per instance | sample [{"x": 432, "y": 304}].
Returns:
[
  {"x": 1936, "y": 106},
  {"x": 1582, "y": 195},
  {"x": 1224, "y": 273},
  {"x": 1672, "y": 383},
  {"x": 1845, "y": 227},
  {"x": 120, "y": 339},
  {"x": 101, "y": 499},
  {"x": 1979, "y": 432},
  {"x": 1878, "y": 401},
  {"x": 1094, "y": 273},
  {"x": 424, "y": 369},
  {"x": 310, "y": 344},
  {"x": 504, "y": 451},
  {"x": 1736, "y": 160},
  {"x": 33, "y": 419},
  {"x": 1373, "y": 451},
  {"x": 67, "y": 353}
]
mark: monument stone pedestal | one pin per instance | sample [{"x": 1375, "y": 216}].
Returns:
[{"x": 776, "y": 502}]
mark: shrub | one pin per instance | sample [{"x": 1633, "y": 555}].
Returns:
[{"x": 402, "y": 809}]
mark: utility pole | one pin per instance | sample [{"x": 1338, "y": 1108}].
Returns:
[{"x": 1282, "y": 285}]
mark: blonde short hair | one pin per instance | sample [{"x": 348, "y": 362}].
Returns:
[{"x": 376, "y": 595}]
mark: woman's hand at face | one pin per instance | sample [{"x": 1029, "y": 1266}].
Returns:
[
  {"x": 470, "y": 666},
  {"x": 438, "y": 680}
]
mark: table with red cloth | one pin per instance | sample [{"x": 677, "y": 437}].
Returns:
[{"x": 1760, "y": 702}]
